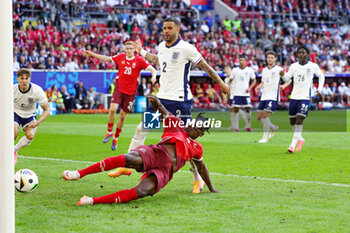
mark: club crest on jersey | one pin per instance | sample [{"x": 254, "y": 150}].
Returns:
[
  {"x": 308, "y": 70},
  {"x": 31, "y": 100},
  {"x": 273, "y": 74},
  {"x": 175, "y": 56},
  {"x": 123, "y": 62},
  {"x": 133, "y": 65}
]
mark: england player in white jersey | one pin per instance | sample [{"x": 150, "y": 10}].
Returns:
[
  {"x": 270, "y": 82},
  {"x": 302, "y": 73},
  {"x": 174, "y": 57},
  {"x": 26, "y": 95},
  {"x": 240, "y": 93}
]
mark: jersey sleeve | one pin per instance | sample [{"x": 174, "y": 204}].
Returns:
[
  {"x": 42, "y": 99},
  {"x": 232, "y": 76},
  {"x": 252, "y": 74},
  {"x": 143, "y": 63},
  {"x": 199, "y": 155},
  {"x": 320, "y": 75},
  {"x": 287, "y": 77},
  {"x": 116, "y": 58},
  {"x": 192, "y": 54},
  {"x": 263, "y": 76}
]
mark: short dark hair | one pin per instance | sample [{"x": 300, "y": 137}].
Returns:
[
  {"x": 270, "y": 52},
  {"x": 242, "y": 56},
  {"x": 200, "y": 117},
  {"x": 303, "y": 47},
  {"x": 23, "y": 71},
  {"x": 172, "y": 19}
]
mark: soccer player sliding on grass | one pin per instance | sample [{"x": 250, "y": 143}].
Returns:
[{"x": 158, "y": 162}]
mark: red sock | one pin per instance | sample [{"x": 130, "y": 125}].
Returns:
[
  {"x": 118, "y": 197},
  {"x": 110, "y": 127},
  {"x": 104, "y": 165},
  {"x": 117, "y": 132}
]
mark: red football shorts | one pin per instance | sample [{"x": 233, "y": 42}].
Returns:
[
  {"x": 156, "y": 160},
  {"x": 125, "y": 101}
]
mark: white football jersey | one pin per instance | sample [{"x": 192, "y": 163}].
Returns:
[
  {"x": 302, "y": 78},
  {"x": 175, "y": 65},
  {"x": 25, "y": 103},
  {"x": 271, "y": 79},
  {"x": 240, "y": 81}
]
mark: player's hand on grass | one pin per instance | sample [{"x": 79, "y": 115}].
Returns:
[
  {"x": 137, "y": 46},
  {"x": 214, "y": 191}
]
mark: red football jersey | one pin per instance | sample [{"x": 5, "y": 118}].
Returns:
[
  {"x": 186, "y": 147},
  {"x": 129, "y": 72}
]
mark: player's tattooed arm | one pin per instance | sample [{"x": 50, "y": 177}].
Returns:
[
  {"x": 137, "y": 45},
  {"x": 157, "y": 105},
  {"x": 204, "y": 173},
  {"x": 212, "y": 74},
  {"x": 152, "y": 58}
]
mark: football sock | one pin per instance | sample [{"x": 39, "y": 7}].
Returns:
[
  {"x": 24, "y": 141},
  {"x": 271, "y": 126},
  {"x": 196, "y": 175},
  {"x": 232, "y": 117},
  {"x": 118, "y": 197},
  {"x": 117, "y": 132},
  {"x": 297, "y": 134},
  {"x": 234, "y": 120},
  {"x": 104, "y": 165},
  {"x": 139, "y": 138},
  {"x": 265, "y": 127},
  {"x": 247, "y": 119},
  {"x": 241, "y": 114},
  {"x": 298, "y": 131},
  {"x": 110, "y": 127}
]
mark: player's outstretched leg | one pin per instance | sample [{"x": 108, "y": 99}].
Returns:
[
  {"x": 198, "y": 183},
  {"x": 138, "y": 140},
  {"x": 103, "y": 165},
  {"x": 115, "y": 138},
  {"x": 146, "y": 187}
]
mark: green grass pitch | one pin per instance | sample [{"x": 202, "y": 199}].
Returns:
[{"x": 263, "y": 189}]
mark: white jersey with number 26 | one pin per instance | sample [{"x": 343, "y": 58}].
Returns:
[
  {"x": 175, "y": 64},
  {"x": 302, "y": 77}
]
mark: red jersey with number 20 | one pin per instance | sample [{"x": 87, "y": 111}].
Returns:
[
  {"x": 129, "y": 72},
  {"x": 186, "y": 147}
]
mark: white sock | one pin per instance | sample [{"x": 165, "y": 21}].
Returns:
[
  {"x": 139, "y": 138},
  {"x": 297, "y": 134},
  {"x": 24, "y": 141},
  {"x": 265, "y": 127},
  {"x": 235, "y": 120},
  {"x": 247, "y": 119},
  {"x": 232, "y": 118},
  {"x": 242, "y": 115},
  {"x": 298, "y": 131},
  {"x": 196, "y": 175},
  {"x": 271, "y": 126}
]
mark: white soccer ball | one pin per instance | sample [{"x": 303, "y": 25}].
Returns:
[{"x": 26, "y": 180}]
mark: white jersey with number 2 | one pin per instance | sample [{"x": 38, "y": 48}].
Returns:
[{"x": 175, "y": 65}]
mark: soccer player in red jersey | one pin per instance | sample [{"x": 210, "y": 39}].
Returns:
[
  {"x": 158, "y": 162},
  {"x": 129, "y": 67}
]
